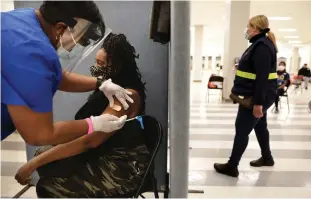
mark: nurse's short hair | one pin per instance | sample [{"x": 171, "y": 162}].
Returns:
[{"x": 58, "y": 11}]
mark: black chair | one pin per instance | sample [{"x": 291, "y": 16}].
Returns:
[
  {"x": 216, "y": 79},
  {"x": 285, "y": 94},
  {"x": 153, "y": 135},
  {"x": 297, "y": 83}
]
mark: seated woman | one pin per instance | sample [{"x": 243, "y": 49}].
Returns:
[
  {"x": 282, "y": 81},
  {"x": 99, "y": 164}
]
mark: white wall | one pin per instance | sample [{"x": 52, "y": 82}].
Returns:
[
  {"x": 305, "y": 53},
  {"x": 7, "y": 5},
  {"x": 213, "y": 46}
]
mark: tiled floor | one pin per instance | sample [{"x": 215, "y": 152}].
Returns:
[
  {"x": 211, "y": 135},
  {"x": 211, "y": 138}
]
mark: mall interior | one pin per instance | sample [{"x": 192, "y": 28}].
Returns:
[{"x": 216, "y": 44}]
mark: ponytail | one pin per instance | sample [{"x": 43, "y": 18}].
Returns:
[{"x": 271, "y": 36}]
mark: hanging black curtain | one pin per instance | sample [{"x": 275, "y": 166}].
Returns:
[{"x": 160, "y": 27}]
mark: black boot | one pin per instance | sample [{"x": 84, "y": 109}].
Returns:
[
  {"x": 226, "y": 169},
  {"x": 261, "y": 162}
]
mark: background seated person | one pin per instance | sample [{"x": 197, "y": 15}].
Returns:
[
  {"x": 305, "y": 74},
  {"x": 282, "y": 81},
  {"x": 99, "y": 164}
]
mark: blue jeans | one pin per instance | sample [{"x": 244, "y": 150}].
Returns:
[{"x": 244, "y": 124}]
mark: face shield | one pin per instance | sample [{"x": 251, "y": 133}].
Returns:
[{"x": 78, "y": 42}]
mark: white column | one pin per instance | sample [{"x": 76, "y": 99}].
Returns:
[
  {"x": 237, "y": 15},
  {"x": 309, "y": 58},
  {"x": 294, "y": 66},
  {"x": 198, "y": 52}
]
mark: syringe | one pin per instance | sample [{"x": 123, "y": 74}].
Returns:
[
  {"x": 134, "y": 118},
  {"x": 138, "y": 118}
]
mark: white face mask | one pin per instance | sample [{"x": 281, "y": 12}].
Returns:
[
  {"x": 66, "y": 56},
  {"x": 281, "y": 68}
]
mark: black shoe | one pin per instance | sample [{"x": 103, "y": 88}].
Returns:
[
  {"x": 262, "y": 162},
  {"x": 226, "y": 170},
  {"x": 276, "y": 110}
]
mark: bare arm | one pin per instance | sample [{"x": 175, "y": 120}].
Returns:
[
  {"x": 38, "y": 129},
  {"x": 72, "y": 82},
  {"x": 84, "y": 143}
]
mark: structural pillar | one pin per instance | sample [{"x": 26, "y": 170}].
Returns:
[
  {"x": 179, "y": 99},
  {"x": 198, "y": 52},
  {"x": 237, "y": 15},
  {"x": 294, "y": 66}
]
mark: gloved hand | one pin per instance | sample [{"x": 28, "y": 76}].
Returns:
[
  {"x": 110, "y": 89},
  {"x": 107, "y": 123}
]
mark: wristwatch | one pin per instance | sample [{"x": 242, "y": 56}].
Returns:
[{"x": 99, "y": 82}]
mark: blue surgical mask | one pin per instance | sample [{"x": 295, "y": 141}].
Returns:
[
  {"x": 65, "y": 56},
  {"x": 246, "y": 35}
]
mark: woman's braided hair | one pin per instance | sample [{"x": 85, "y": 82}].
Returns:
[{"x": 122, "y": 56}]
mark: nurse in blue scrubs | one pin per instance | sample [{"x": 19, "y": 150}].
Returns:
[{"x": 32, "y": 41}]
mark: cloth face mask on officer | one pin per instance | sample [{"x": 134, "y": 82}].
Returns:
[{"x": 248, "y": 32}]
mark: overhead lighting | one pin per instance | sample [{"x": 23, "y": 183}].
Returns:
[
  {"x": 279, "y": 18},
  {"x": 287, "y": 30},
  {"x": 291, "y": 37},
  {"x": 297, "y": 45},
  {"x": 294, "y": 42}
]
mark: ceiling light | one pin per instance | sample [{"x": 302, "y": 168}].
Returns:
[
  {"x": 279, "y": 18},
  {"x": 287, "y": 30},
  {"x": 297, "y": 45},
  {"x": 291, "y": 37},
  {"x": 294, "y": 42}
]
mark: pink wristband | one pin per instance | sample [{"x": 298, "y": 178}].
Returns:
[{"x": 89, "y": 122}]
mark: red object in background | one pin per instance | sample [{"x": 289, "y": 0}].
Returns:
[
  {"x": 211, "y": 85},
  {"x": 296, "y": 77},
  {"x": 214, "y": 81}
]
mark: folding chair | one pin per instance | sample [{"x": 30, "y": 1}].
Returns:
[
  {"x": 286, "y": 96},
  {"x": 217, "y": 80},
  {"x": 296, "y": 82},
  {"x": 153, "y": 135}
]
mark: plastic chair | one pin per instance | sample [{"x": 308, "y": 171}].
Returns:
[
  {"x": 296, "y": 81},
  {"x": 153, "y": 136},
  {"x": 214, "y": 79}
]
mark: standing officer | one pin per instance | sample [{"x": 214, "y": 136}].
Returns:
[{"x": 256, "y": 80}]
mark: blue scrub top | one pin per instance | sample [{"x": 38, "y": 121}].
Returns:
[{"x": 30, "y": 67}]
